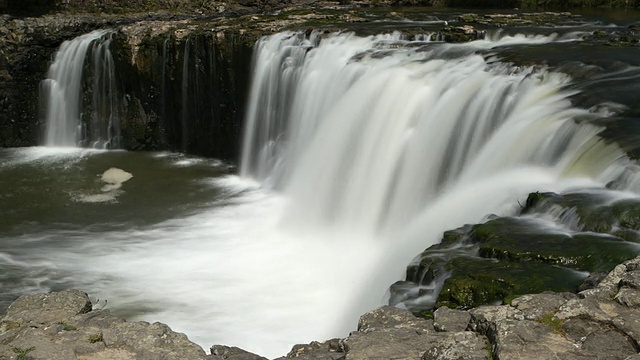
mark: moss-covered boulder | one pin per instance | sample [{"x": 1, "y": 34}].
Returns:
[
  {"x": 517, "y": 239},
  {"x": 507, "y": 256},
  {"x": 599, "y": 212},
  {"x": 479, "y": 281}
]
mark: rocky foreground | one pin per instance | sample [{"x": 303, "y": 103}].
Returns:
[{"x": 599, "y": 323}]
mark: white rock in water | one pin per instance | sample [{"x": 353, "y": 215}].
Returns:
[{"x": 114, "y": 177}]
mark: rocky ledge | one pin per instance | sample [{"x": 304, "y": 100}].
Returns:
[{"x": 603, "y": 322}]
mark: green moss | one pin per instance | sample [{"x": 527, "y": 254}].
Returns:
[
  {"x": 66, "y": 327},
  {"x": 95, "y": 338},
  {"x": 521, "y": 239},
  {"x": 555, "y": 324},
  {"x": 476, "y": 281}
]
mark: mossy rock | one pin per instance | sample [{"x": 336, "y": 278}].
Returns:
[
  {"x": 627, "y": 213},
  {"x": 476, "y": 281},
  {"x": 592, "y": 211},
  {"x": 522, "y": 239}
]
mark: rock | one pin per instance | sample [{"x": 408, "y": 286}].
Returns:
[
  {"x": 234, "y": 353},
  {"x": 40, "y": 309},
  {"x": 61, "y": 326},
  {"x": 530, "y": 340},
  {"x": 328, "y": 350},
  {"x": 483, "y": 319},
  {"x": 464, "y": 345},
  {"x": 628, "y": 297},
  {"x": 389, "y": 317},
  {"x": 386, "y": 344},
  {"x": 534, "y": 306},
  {"x": 445, "y": 319},
  {"x": 609, "y": 344}
]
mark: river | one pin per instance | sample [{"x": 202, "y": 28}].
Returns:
[{"x": 359, "y": 152}]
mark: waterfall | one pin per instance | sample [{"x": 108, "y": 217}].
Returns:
[
  {"x": 367, "y": 133},
  {"x": 82, "y": 67},
  {"x": 398, "y": 141}
]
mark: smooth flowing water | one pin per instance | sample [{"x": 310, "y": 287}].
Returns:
[
  {"x": 62, "y": 95},
  {"x": 359, "y": 152}
]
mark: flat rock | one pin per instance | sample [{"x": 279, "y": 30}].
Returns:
[
  {"x": 389, "y": 317},
  {"x": 446, "y": 319},
  {"x": 527, "y": 339},
  {"x": 465, "y": 345},
  {"x": 535, "y": 305},
  {"x": 47, "y": 308}
]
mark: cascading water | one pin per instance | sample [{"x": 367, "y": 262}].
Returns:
[
  {"x": 395, "y": 143},
  {"x": 365, "y": 149},
  {"x": 68, "y": 121}
]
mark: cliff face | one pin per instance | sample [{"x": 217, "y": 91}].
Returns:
[
  {"x": 184, "y": 87},
  {"x": 26, "y": 47},
  {"x": 181, "y": 85}
]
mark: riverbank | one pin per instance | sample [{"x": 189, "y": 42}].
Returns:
[{"x": 595, "y": 323}]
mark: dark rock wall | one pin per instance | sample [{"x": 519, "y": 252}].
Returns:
[
  {"x": 180, "y": 89},
  {"x": 26, "y": 48},
  {"x": 185, "y": 93}
]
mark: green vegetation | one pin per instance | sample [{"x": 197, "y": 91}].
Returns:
[
  {"x": 95, "y": 338},
  {"x": 554, "y": 323},
  {"x": 66, "y": 327},
  {"x": 22, "y": 353}
]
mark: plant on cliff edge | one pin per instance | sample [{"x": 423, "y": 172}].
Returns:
[
  {"x": 22, "y": 353},
  {"x": 95, "y": 338}
]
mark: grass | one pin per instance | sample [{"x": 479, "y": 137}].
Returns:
[
  {"x": 66, "y": 327},
  {"x": 22, "y": 353},
  {"x": 95, "y": 338},
  {"x": 555, "y": 324}
]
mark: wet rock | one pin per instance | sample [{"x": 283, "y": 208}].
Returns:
[{"x": 478, "y": 281}]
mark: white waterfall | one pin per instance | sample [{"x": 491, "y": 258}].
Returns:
[
  {"x": 62, "y": 94},
  {"x": 367, "y": 133}
]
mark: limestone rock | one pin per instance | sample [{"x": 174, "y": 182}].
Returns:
[
  {"x": 529, "y": 340},
  {"x": 61, "y": 326},
  {"x": 233, "y": 353},
  {"x": 36, "y": 309},
  {"x": 328, "y": 350},
  {"x": 389, "y": 317},
  {"x": 535, "y": 305},
  {"x": 464, "y": 345},
  {"x": 445, "y": 319}
]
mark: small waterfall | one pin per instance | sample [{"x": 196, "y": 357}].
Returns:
[{"x": 82, "y": 67}]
